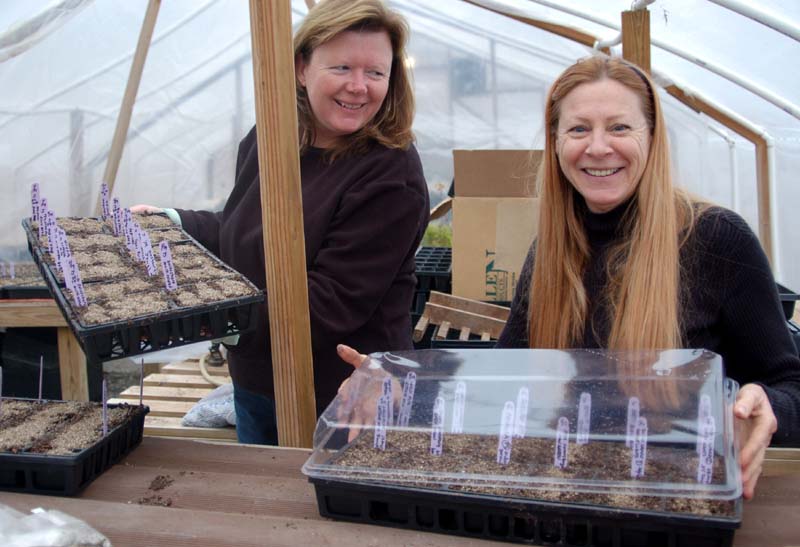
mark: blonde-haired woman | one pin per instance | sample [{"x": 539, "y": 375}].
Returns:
[
  {"x": 624, "y": 260},
  {"x": 365, "y": 204}
]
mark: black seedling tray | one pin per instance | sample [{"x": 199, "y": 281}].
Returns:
[
  {"x": 788, "y": 299},
  {"x": 518, "y": 520},
  {"x": 434, "y": 273},
  {"x": 156, "y": 331},
  {"x": 67, "y": 475}
]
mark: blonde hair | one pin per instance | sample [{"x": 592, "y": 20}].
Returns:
[
  {"x": 643, "y": 289},
  {"x": 391, "y": 125}
]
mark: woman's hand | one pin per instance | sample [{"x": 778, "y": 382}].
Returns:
[
  {"x": 755, "y": 425},
  {"x": 142, "y": 208},
  {"x": 360, "y": 393}
]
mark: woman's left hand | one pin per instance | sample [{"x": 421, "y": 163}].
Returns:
[{"x": 755, "y": 425}]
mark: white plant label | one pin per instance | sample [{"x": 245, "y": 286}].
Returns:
[
  {"x": 117, "y": 212},
  {"x": 633, "y": 417},
  {"x": 705, "y": 460},
  {"x": 43, "y": 218},
  {"x": 409, "y": 386},
  {"x": 167, "y": 266},
  {"x": 639, "y": 452},
  {"x": 11, "y": 273},
  {"x": 105, "y": 407},
  {"x": 149, "y": 257},
  {"x": 137, "y": 240},
  {"x": 51, "y": 232},
  {"x": 703, "y": 410},
  {"x": 506, "y": 437},
  {"x": 127, "y": 221},
  {"x": 387, "y": 392},
  {"x": 41, "y": 375},
  {"x": 2, "y": 269},
  {"x": 437, "y": 427},
  {"x": 77, "y": 284},
  {"x": 381, "y": 419},
  {"x": 457, "y": 425},
  {"x": 561, "y": 455},
  {"x": 584, "y": 418},
  {"x": 104, "y": 200},
  {"x": 521, "y": 416},
  {"x": 62, "y": 249},
  {"x": 35, "y": 202}
]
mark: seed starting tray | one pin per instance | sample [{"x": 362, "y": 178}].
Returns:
[
  {"x": 174, "y": 327},
  {"x": 67, "y": 475},
  {"x": 518, "y": 520}
]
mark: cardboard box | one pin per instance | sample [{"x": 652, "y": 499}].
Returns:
[{"x": 495, "y": 218}]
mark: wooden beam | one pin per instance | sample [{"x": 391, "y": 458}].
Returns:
[
  {"x": 124, "y": 118},
  {"x": 72, "y": 367},
  {"x": 438, "y": 315},
  {"x": 636, "y": 38},
  {"x": 282, "y": 218},
  {"x": 467, "y": 304},
  {"x": 31, "y": 313}
]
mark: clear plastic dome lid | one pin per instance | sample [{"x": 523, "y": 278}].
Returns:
[{"x": 644, "y": 423}]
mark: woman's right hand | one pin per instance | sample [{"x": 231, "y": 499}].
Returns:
[
  {"x": 359, "y": 394},
  {"x": 147, "y": 209}
]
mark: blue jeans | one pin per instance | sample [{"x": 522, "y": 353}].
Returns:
[{"x": 255, "y": 417}]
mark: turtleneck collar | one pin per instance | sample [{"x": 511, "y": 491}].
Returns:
[{"x": 602, "y": 227}]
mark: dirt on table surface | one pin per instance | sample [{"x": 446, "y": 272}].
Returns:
[
  {"x": 56, "y": 427},
  {"x": 409, "y": 451}
]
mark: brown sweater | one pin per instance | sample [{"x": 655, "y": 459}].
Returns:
[{"x": 364, "y": 217}]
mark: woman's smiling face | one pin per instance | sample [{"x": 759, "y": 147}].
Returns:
[
  {"x": 347, "y": 79},
  {"x": 602, "y": 142}
]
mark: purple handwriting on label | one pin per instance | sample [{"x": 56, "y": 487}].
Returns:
[
  {"x": 386, "y": 390},
  {"x": 703, "y": 410},
  {"x": 117, "y": 211},
  {"x": 150, "y": 259},
  {"x": 77, "y": 284},
  {"x": 633, "y": 417},
  {"x": 381, "y": 419},
  {"x": 61, "y": 249},
  {"x": 437, "y": 427},
  {"x": 521, "y": 417},
  {"x": 506, "y": 434},
  {"x": 705, "y": 460},
  {"x": 584, "y": 418},
  {"x": 561, "y": 454},
  {"x": 64, "y": 267},
  {"x": 127, "y": 221},
  {"x": 105, "y": 407},
  {"x": 409, "y": 386},
  {"x": 136, "y": 236},
  {"x": 51, "y": 232},
  {"x": 167, "y": 267},
  {"x": 104, "y": 200},
  {"x": 457, "y": 424},
  {"x": 639, "y": 452},
  {"x": 35, "y": 201},
  {"x": 43, "y": 218}
]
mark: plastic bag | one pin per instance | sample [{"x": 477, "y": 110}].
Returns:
[
  {"x": 214, "y": 410},
  {"x": 46, "y": 528}
]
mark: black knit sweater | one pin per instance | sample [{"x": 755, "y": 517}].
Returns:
[
  {"x": 363, "y": 217},
  {"x": 729, "y": 305}
]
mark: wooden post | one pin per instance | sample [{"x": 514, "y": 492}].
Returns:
[
  {"x": 282, "y": 218},
  {"x": 636, "y": 38},
  {"x": 124, "y": 118},
  {"x": 72, "y": 367}
]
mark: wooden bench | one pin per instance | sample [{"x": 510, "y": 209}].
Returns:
[{"x": 170, "y": 394}]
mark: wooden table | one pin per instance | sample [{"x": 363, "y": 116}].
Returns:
[
  {"x": 71, "y": 360},
  {"x": 237, "y": 496}
]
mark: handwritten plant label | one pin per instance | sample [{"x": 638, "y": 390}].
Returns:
[
  {"x": 703, "y": 410},
  {"x": 387, "y": 392},
  {"x": 35, "y": 202},
  {"x": 77, "y": 284},
  {"x": 104, "y": 200},
  {"x": 633, "y": 417},
  {"x": 381, "y": 420},
  {"x": 437, "y": 427},
  {"x": 167, "y": 267},
  {"x": 409, "y": 386},
  {"x": 705, "y": 460},
  {"x": 42, "y": 218},
  {"x": 11, "y": 273},
  {"x": 51, "y": 232},
  {"x": 639, "y": 452},
  {"x": 127, "y": 221},
  {"x": 105, "y": 407},
  {"x": 41, "y": 375},
  {"x": 149, "y": 257},
  {"x": 506, "y": 434},
  {"x": 521, "y": 417},
  {"x": 117, "y": 211},
  {"x": 584, "y": 418},
  {"x": 560, "y": 457},
  {"x": 136, "y": 233},
  {"x": 457, "y": 424}
]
